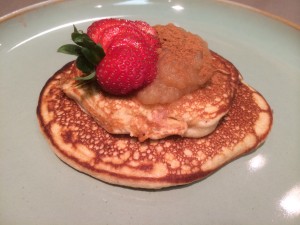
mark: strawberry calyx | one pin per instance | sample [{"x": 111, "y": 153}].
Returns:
[{"x": 89, "y": 54}]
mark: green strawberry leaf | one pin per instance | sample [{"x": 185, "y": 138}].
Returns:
[
  {"x": 76, "y": 35},
  {"x": 81, "y": 39},
  {"x": 98, "y": 48},
  {"x": 70, "y": 49},
  {"x": 85, "y": 41},
  {"x": 84, "y": 65},
  {"x": 89, "y": 54}
]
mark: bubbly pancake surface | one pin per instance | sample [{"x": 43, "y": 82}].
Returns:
[{"x": 119, "y": 159}]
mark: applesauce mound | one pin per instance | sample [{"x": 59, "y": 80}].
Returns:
[{"x": 184, "y": 65}]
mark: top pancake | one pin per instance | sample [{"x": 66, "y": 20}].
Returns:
[
  {"x": 194, "y": 115},
  {"x": 119, "y": 159}
]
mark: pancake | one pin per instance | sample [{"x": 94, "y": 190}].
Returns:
[
  {"x": 79, "y": 141},
  {"x": 194, "y": 115}
]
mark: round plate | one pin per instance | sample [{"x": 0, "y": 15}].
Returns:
[{"x": 260, "y": 188}]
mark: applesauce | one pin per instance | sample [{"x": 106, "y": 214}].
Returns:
[{"x": 184, "y": 65}]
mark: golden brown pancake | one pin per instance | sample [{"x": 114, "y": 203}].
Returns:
[
  {"x": 120, "y": 159},
  {"x": 194, "y": 115}
]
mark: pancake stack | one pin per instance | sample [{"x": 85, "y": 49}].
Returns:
[{"x": 194, "y": 115}]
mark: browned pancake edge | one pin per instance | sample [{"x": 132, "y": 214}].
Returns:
[{"x": 119, "y": 159}]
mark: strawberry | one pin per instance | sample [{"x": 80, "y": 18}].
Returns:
[
  {"x": 103, "y": 30},
  {"x": 149, "y": 55},
  {"x": 95, "y": 29},
  {"x": 112, "y": 32},
  {"x": 124, "y": 61},
  {"x": 129, "y": 39},
  {"x": 145, "y": 27},
  {"x": 126, "y": 68}
]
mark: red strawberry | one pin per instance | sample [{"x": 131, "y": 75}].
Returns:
[
  {"x": 128, "y": 57},
  {"x": 126, "y": 68},
  {"x": 95, "y": 29},
  {"x": 148, "y": 32},
  {"x": 112, "y": 32},
  {"x": 133, "y": 40},
  {"x": 131, "y": 57},
  {"x": 149, "y": 56},
  {"x": 103, "y": 31},
  {"x": 145, "y": 27}
]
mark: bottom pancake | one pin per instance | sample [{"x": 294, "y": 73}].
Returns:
[{"x": 119, "y": 159}]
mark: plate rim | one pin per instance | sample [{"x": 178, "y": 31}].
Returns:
[{"x": 229, "y": 2}]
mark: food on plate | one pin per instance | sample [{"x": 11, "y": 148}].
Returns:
[
  {"x": 184, "y": 65},
  {"x": 194, "y": 115},
  {"x": 132, "y": 116}
]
